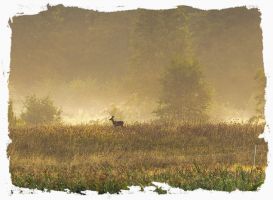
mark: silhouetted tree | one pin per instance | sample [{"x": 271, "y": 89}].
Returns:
[
  {"x": 11, "y": 115},
  {"x": 40, "y": 111},
  {"x": 184, "y": 94},
  {"x": 260, "y": 99}
]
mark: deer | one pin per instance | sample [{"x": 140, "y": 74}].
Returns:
[{"x": 116, "y": 123}]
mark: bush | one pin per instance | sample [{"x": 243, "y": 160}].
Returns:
[{"x": 40, "y": 111}]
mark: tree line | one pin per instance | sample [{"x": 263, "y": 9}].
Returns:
[{"x": 185, "y": 96}]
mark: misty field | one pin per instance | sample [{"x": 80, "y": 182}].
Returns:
[{"x": 108, "y": 159}]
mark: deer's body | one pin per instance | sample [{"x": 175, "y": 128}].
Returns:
[{"x": 116, "y": 123}]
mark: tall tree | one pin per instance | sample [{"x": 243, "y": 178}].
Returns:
[
  {"x": 184, "y": 94},
  {"x": 260, "y": 96},
  {"x": 156, "y": 41},
  {"x": 11, "y": 115}
]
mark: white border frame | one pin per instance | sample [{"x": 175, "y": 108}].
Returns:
[{"x": 11, "y": 8}]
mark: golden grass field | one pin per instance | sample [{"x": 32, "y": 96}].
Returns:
[{"x": 108, "y": 159}]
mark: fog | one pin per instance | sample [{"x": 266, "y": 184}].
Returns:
[{"x": 94, "y": 64}]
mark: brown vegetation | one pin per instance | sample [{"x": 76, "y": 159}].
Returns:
[{"x": 108, "y": 159}]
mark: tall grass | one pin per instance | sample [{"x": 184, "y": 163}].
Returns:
[{"x": 108, "y": 159}]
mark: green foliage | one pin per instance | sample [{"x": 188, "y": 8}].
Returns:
[
  {"x": 11, "y": 116},
  {"x": 159, "y": 190},
  {"x": 40, "y": 111},
  {"x": 184, "y": 95}
]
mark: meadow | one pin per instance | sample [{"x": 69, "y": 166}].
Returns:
[{"x": 107, "y": 159}]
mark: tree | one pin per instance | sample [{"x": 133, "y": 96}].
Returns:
[
  {"x": 157, "y": 37},
  {"x": 260, "y": 96},
  {"x": 11, "y": 115},
  {"x": 184, "y": 95},
  {"x": 40, "y": 111}
]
